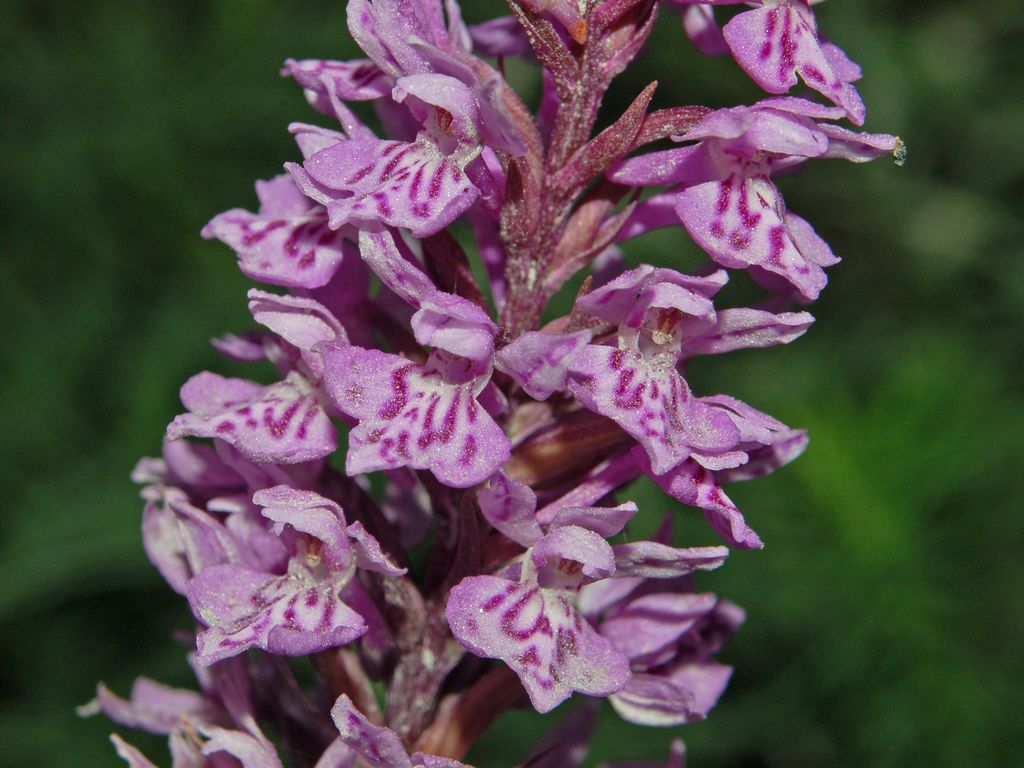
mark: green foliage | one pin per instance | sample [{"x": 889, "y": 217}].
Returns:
[{"x": 884, "y": 615}]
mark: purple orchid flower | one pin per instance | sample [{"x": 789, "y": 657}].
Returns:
[
  {"x": 298, "y": 612},
  {"x": 423, "y": 416},
  {"x": 776, "y": 41},
  {"x": 724, "y": 195},
  {"x": 527, "y": 616},
  {"x": 506, "y": 446}
]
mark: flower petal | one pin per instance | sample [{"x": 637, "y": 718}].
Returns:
[
  {"x": 539, "y": 361},
  {"x": 287, "y": 243},
  {"x": 413, "y": 185},
  {"x": 775, "y": 43},
  {"x": 412, "y": 416},
  {"x": 511, "y": 507},
  {"x": 742, "y": 222},
  {"x": 651, "y": 402},
  {"x": 653, "y": 560},
  {"x": 442, "y": 320},
  {"x": 282, "y": 423},
  {"x": 539, "y": 634},
  {"x": 379, "y": 747},
  {"x": 287, "y": 615}
]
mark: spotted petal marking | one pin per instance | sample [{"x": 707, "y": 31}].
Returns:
[
  {"x": 649, "y": 400},
  {"x": 291, "y": 615},
  {"x": 541, "y": 636},
  {"x": 287, "y": 243},
  {"x": 412, "y": 185},
  {"x": 412, "y": 416},
  {"x": 775, "y": 43},
  {"x": 742, "y": 222},
  {"x": 282, "y": 423}
]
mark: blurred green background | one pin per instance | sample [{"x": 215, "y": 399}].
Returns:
[{"x": 886, "y": 613}]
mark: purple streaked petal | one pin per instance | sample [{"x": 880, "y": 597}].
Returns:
[
  {"x": 539, "y": 362},
  {"x": 775, "y": 43},
  {"x": 379, "y": 747},
  {"x": 413, "y": 185},
  {"x": 511, "y": 507},
  {"x": 282, "y": 423},
  {"x": 651, "y": 402},
  {"x": 288, "y": 615},
  {"x": 312, "y": 514},
  {"x": 653, "y": 560},
  {"x": 742, "y": 222},
  {"x": 539, "y": 634},
  {"x": 356, "y": 80},
  {"x": 696, "y": 486},
  {"x": 287, "y": 243},
  {"x": 412, "y": 416}
]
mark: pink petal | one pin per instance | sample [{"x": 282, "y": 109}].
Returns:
[
  {"x": 412, "y": 416},
  {"x": 287, "y": 243},
  {"x": 741, "y": 222},
  {"x": 405, "y": 185},
  {"x": 379, "y": 747},
  {"x": 539, "y": 634},
  {"x": 539, "y": 361},
  {"x": 775, "y": 43},
  {"x": 282, "y": 423},
  {"x": 511, "y": 507},
  {"x": 287, "y": 615},
  {"x": 651, "y": 402}
]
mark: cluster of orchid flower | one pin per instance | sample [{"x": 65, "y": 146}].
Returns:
[{"x": 501, "y": 442}]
